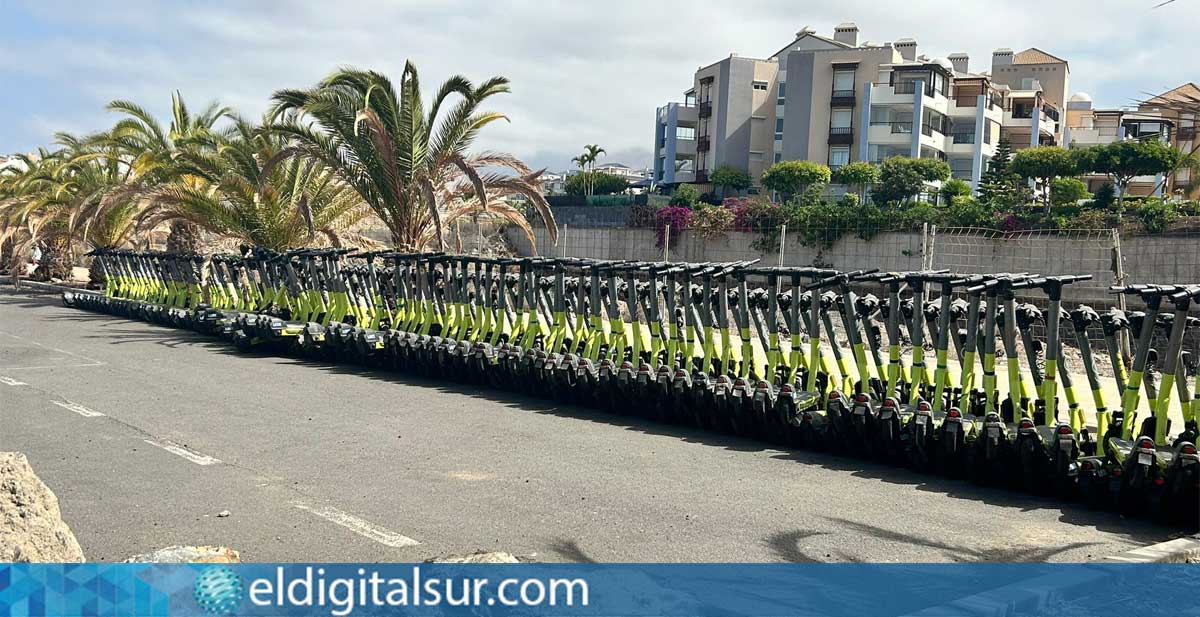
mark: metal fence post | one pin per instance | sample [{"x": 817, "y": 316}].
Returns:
[
  {"x": 667, "y": 242},
  {"x": 1118, "y": 270},
  {"x": 563, "y": 251},
  {"x": 928, "y": 238},
  {"x": 782, "y": 242}
]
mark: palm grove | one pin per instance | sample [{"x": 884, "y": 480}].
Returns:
[{"x": 322, "y": 161}]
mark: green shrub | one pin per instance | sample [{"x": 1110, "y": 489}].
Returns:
[
  {"x": 791, "y": 178},
  {"x": 1067, "y": 192},
  {"x": 1105, "y": 197},
  {"x": 710, "y": 221},
  {"x": 920, "y": 212},
  {"x": 685, "y": 196},
  {"x": 953, "y": 188},
  {"x": 1091, "y": 218},
  {"x": 601, "y": 183},
  {"x": 966, "y": 211},
  {"x": 1156, "y": 215}
]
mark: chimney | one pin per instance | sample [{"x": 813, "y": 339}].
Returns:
[
  {"x": 1002, "y": 57},
  {"x": 907, "y": 49},
  {"x": 960, "y": 62},
  {"x": 846, "y": 33}
]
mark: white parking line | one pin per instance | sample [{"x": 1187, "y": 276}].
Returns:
[
  {"x": 180, "y": 451},
  {"x": 359, "y": 526},
  {"x": 79, "y": 409},
  {"x": 9, "y": 381}
]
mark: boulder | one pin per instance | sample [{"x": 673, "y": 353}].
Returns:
[
  {"x": 31, "y": 525},
  {"x": 479, "y": 557},
  {"x": 188, "y": 554}
]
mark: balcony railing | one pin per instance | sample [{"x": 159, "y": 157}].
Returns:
[
  {"x": 1185, "y": 133},
  {"x": 905, "y": 87},
  {"x": 839, "y": 135},
  {"x": 964, "y": 138},
  {"x": 899, "y": 128},
  {"x": 702, "y": 176},
  {"x": 702, "y": 144},
  {"x": 842, "y": 98},
  {"x": 704, "y": 110},
  {"x": 1050, "y": 112}
]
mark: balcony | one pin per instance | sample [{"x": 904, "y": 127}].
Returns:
[
  {"x": 905, "y": 87},
  {"x": 842, "y": 98},
  {"x": 841, "y": 135},
  {"x": 897, "y": 128},
  {"x": 704, "y": 110},
  {"x": 964, "y": 138},
  {"x": 703, "y": 144}
]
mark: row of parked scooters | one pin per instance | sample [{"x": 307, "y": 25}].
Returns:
[{"x": 796, "y": 356}]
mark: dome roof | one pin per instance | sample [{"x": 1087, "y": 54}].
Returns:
[
  {"x": 1081, "y": 97},
  {"x": 944, "y": 63}
]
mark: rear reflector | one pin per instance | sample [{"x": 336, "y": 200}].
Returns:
[
  {"x": 1064, "y": 430},
  {"x": 954, "y": 413},
  {"x": 1187, "y": 449}
]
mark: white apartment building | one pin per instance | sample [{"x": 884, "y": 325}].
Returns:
[{"x": 835, "y": 100}]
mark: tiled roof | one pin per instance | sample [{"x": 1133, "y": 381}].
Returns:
[
  {"x": 1187, "y": 93},
  {"x": 1034, "y": 55}
]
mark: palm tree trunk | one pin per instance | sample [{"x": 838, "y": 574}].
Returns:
[
  {"x": 184, "y": 237},
  {"x": 56, "y": 263},
  {"x": 95, "y": 274}
]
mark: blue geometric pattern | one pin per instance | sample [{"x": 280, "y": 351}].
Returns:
[{"x": 835, "y": 590}]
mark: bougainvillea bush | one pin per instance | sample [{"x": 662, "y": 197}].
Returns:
[{"x": 675, "y": 217}]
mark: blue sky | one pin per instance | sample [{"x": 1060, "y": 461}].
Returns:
[{"x": 582, "y": 72}]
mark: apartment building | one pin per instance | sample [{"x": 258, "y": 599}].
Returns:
[
  {"x": 1170, "y": 116},
  {"x": 835, "y": 100}
]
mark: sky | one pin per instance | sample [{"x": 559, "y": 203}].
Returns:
[{"x": 582, "y": 72}]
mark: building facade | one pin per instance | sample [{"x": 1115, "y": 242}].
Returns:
[
  {"x": 1170, "y": 117},
  {"x": 835, "y": 100}
]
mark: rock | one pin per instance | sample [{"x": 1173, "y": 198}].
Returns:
[
  {"x": 222, "y": 513},
  {"x": 479, "y": 557},
  {"x": 31, "y": 525},
  {"x": 188, "y": 554}
]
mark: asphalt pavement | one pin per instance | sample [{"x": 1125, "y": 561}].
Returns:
[{"x": 148, "y": 434}]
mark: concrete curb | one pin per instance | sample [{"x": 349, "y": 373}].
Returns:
[
  {"x": 50, "y": 287},
  {"x": 1181, "y": 550}
]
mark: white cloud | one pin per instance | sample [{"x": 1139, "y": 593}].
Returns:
[{"x": 581, "y": 72}]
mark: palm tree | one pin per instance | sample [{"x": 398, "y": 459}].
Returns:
[
  {"x": 582, "y": 161},
  {"x": 151, "y": 152},
  {"x": 48, "y": 205},
  {"x": 593, "y": 153},
  {"x": 245, "y": 189},
  {"x": 412, "y": 167}
]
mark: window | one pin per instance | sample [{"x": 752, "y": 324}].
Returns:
[
  {"x": 756, "y": 156},
  {"x": 689, "y": 98},
  {"x": 761, "y": 85},
  {"x": 686, "y": 166},
  {"x": 782, "y": 89},
  {"x": 685, "y": 132},
  {"x": 778, "y": 156},
  {"x": 840, "y": 118},
  {"x": 843, "y": 80},
  {"x": 838, "y": 156}
]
